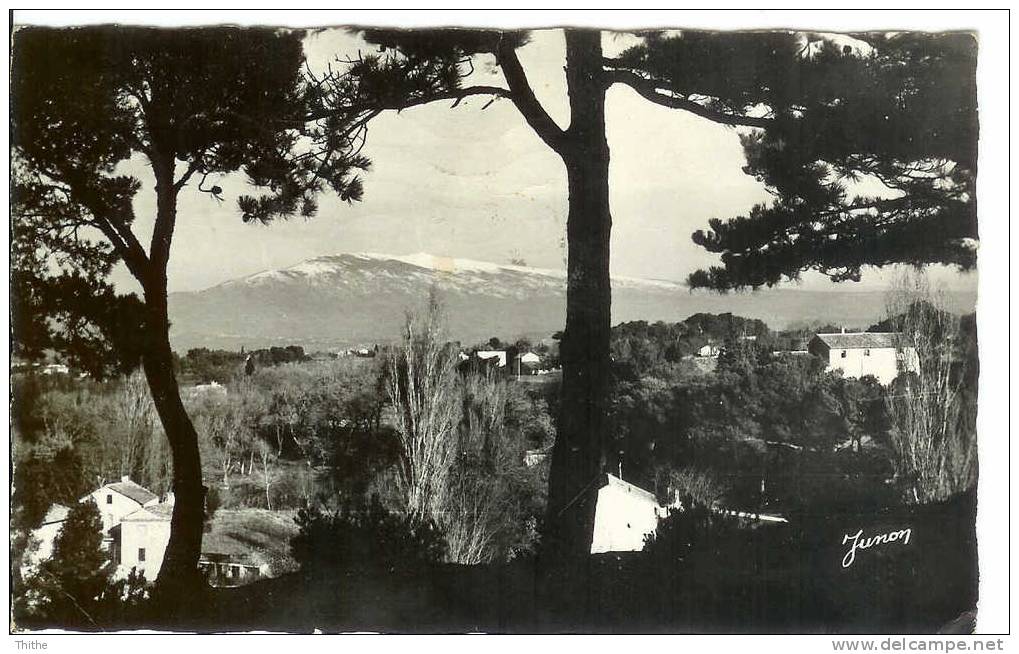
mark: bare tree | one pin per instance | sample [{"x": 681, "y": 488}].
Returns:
[
  {"x": 702, "y": 486},
  {"x": 467, "y": 519},
  {"x": 421, "y": 385},
  {"x": 935, "y": 451},
  {"x": 283, "y": 415},
  {"x": 157, "y": 464},
  {"x": 470, "y": 510},
  {"x": 218, "y": 423},
  {"x": 267, "y": 458},
  {"x": 135, "y": 416}
]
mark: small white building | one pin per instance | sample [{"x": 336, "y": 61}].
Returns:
[
  {"x": 708, "y": 350},
  {"x": 213, "y": 388},
  {"x": 535, "y": 457},
  {"x": 498, "y": 355},
  {"x": 118, "y": 499},
  {"x": 858, "y": 354},
  {"x": 140, "y": 540},
  {"x": 530, "y": 358},
  {"x": 623, "y": 515}
]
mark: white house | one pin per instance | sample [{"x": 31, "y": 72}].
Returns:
[
  {"x": 498, "y": 355},
  {"x": 118, "y": 499},
  {"x": 140, "y": 539},
  {"x": 530, "y": 358},
  {"x": 527, "y": 363},
  {"x": 140, "y": 543},
  {"x": 708, "y": 350},
  {"x": 858, "y": 354},
  {"x": 212, "y": 388},
  {"x": 535, "y": 457},
  {"x": 623, "y": 515}
]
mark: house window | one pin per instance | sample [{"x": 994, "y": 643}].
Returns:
[
  {"x": 141, "y": 554},
  {"x": 109, "y": 498},
  {"x": 866, "y": 353},
  {"x": 843, "y": 354}
]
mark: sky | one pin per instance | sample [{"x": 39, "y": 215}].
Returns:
[{"x": 478, "y": 183}]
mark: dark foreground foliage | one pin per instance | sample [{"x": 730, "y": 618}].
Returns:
[
  {"x": 369, "y": 540},
  {"x": 703, "y": 573},
  {"x": 75, "y": 588}
]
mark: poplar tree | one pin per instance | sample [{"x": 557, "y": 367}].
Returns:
[{"x": 814, "y": 112}]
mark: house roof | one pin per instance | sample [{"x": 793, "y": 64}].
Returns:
[
  {"x": 625, "y": 486},
  {"x": 154, "y": 513},
  {"x": 850, "y": 341},
  {"x": 133, "y": 491}
]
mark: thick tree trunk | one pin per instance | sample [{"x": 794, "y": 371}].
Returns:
[
  {"x": 180, "y": 562},
  {"x": 178, "y": 575},
  {"x": 578, "y": 457}
]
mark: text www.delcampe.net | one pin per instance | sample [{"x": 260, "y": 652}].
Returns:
[{"x": 918, "y": 645}]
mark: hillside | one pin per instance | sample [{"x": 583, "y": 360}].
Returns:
[{"x": 345, "y": 299}]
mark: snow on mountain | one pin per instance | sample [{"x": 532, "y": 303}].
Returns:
[
  {"x": 344, "y": 299},
  {"x": 468, "y": 275}
]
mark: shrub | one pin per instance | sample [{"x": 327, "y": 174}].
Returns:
[
  {"x": 702, "y": 485},
  {"x": 694, "y": 527},
  {"x": 368, "y": 538}
]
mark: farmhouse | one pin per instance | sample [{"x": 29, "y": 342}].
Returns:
[
  {"x": 530, "y": 358},
  {"x": 527, "y": 363},
  {"x": 858, "y": 354},
  {"x": 709, "y": 350},
  {"x": 230, "y": 569},
  {"x": 497, "y": 356},
  {"x": 140, "y": 540},
  {"x": 136, "y": 526},
  {"x": 118, "y": 499},
  {"x": 624, "y": 513}
]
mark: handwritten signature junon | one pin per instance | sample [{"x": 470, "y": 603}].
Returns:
[{"x": 859, "y": 543}]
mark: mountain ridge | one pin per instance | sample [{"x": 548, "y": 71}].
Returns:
[{"x": 347, "y": 298}]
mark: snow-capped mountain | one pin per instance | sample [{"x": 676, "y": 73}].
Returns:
[{"x": 345, "y": 299}]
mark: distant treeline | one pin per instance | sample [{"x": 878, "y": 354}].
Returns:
[
  {"x": 207, "y": 365},
  {"x": 639, "y": 347}
]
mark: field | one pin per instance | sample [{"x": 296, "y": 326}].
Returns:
[{"x": 254, "y": 534}]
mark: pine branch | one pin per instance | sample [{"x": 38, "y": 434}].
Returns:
[
  {"x": 523, "y": 97},
  {"x": 649, "y": 91},
  {"x": 457, "y": 95}
]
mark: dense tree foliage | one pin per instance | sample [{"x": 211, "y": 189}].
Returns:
[
  {"x": 365, "y": 540},
  {"x": 91, "y": 105},
  {"x": 870, "y": 150},
  {"x": 75, "y": 588},
  {"x": 898, "y": 108},
  {"x": 205, "y": 365},
  {"x": 756, "y": 418},
  {"x": 70, "y": 436}
]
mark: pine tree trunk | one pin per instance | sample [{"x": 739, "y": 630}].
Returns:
[
  {"x": 178, "y": 575},
  {"x": 180, "y": 562},
  {"x": 578, "y": 456}
]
